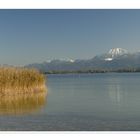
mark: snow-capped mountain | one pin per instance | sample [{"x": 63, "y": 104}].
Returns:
[
  {"x": 114, "y": 59},
  {"x": 117, "y": 52},
  {"x": 114, "y": 53},
  {"x": 60, "y": 61}
]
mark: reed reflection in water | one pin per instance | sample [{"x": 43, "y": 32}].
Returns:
[{"x": 20, "y": 104}]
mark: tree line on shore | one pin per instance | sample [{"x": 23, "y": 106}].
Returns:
[{"x": 99, "y": 70}]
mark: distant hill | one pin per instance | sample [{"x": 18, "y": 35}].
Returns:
[{"x": 115, "y": 59}]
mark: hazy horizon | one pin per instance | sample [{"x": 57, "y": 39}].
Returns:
[{"x": 29, "y": 36}]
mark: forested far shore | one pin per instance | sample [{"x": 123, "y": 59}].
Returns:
[{"x": 122, "y": 70}]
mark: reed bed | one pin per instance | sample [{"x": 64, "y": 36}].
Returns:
[{"x": 15, "y": 80}]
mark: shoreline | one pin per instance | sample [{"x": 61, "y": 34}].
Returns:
[{"x": 87, "y": 73}]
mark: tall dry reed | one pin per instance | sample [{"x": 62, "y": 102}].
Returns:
[{"x": 15, "y": 80}]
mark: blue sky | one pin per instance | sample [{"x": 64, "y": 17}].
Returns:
[{"x": 28, "y": 36}]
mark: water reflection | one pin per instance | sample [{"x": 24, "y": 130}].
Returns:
[
  {"x": 116, "y": 92},
  {"x": 21, "y": 104}
]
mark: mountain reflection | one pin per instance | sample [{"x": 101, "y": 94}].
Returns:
[
  {"x": 21, "y": 104},
  {"x": 116, "y": 92}
]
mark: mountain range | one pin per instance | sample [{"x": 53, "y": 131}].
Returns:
[{"x": 114, "y": 59}]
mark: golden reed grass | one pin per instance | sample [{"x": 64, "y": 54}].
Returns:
[{"x": 15, "y": 80}]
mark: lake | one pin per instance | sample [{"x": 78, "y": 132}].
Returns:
[{"x": 78, "y": 102}]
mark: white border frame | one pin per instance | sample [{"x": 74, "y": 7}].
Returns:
[{"x": 69, "y": 4}]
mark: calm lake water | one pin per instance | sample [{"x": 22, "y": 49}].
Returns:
[{"x": 82, "y": 102}]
